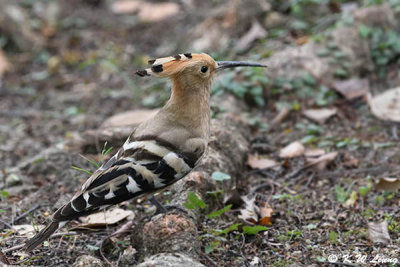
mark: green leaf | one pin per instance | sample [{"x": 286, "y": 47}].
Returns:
[
  {"x": 81, "y": 170},
  {"x": 364, "y": 30},
  {"x": 4, "y": 194},
  {"x": 253, "y": 230},
  {"x": 219, "y": 212},
  {"x": 233, "y": 227},
  {"x": 92, "y": 161},
  {"x": 294, "y": 233},
  {"x": 323, "y": 52},
  {"x": 309, "y": 139},
  {"x": 364, "y": 190},
  {"x": 208, "y": 249},
  {"x": 220, "y": 176},
  {"x": 311, "y": 226},
  {"x": 340, "y": 72},
  {"x": 333, "y": 237},
  {"x": 40, "y": 75},
  {"x": 93, "y": 248},
  {"x": 193, "y": 201},
  {"x": 106, "y": 151},
  {"x": 308, "y": 79},
  {"x": 341, "y": 195},
  {"x": 299, "y": 25}
]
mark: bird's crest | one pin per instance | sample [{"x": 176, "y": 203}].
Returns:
[{"x": 167, "y": 66}]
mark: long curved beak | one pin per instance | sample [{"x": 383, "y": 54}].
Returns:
[{"x": 231, "y": 64}]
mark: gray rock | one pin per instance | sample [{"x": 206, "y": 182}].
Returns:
[
  {"x": 355, "y": 47},
  {"x": 378, "y": 16}
]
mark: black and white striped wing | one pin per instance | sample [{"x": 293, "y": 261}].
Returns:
[{"x": 139, "y": 168}]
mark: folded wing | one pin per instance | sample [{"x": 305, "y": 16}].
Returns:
[{"x": 139, "y": 168}]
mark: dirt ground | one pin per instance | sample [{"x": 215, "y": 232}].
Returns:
[{"x": 84, "y": 73}]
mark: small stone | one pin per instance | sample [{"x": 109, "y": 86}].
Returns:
[
  {"x": 53, "y": 64},
  {"x": 170, "y": 260},
  {"x": 87, "y": 261},
  {"x": 128, "y": 257},
  {"x": 274, "y": 19},
  {"x": 12, "y": 180}
]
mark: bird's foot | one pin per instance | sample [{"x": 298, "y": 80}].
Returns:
[{"x": 165, "y": 208}]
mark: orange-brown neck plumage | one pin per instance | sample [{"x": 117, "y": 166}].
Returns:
[{"x": 190, "y": 102}]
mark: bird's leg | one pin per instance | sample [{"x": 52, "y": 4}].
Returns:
[
  {"x": 164, "y": 209},
  {"x": 159, "y": 206}
]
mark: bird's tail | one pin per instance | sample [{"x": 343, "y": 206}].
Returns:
[
  {"x": 71, "y": 210},
  {"x": 38, "y": 239}
]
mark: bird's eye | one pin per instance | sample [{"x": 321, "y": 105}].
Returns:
[{"x": 204, "y": 69}]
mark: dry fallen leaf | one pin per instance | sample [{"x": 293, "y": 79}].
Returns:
[
  {"x": 257, "y": 162},
  {"x": 319, "y": 115},
  {"x": 4, "y": 64},
  {"x": 314, "y": 152},
  {"x": 292, "y": 150},
  {"x": 378, "y": 232},
  {"x": 386, "y": 106},
  {"x": 129, "y": 118},
  {"x": 265, "y": 215},
  {"x": 321, "y": 162},
  {"x": 27, "y": 230},
  {"x": 283, "y": 113},
  {"x": 352, "y": 200},
  {"x": 147, "y": 11},
  {"x": 302, "y": 40},
  {"x": 260, "y": 215},
  {"x": 388, "y": 184},
  {"x": 255, "y": 33},
  {"x": 352, "y": 88},
  {"x": 351, "y": 162},
  {"x": 249, "y": 213},
  {"x": 105, "y": 217}
]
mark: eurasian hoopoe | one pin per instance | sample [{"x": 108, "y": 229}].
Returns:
[{"x": 161, "y": 150}]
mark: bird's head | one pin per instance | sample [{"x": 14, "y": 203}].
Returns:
[{"x": 197, "y": 68}]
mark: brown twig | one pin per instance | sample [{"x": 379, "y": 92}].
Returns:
[
  {"x": 123, "y": 229},
  {"x": 13, "y": 248},
  {"x": 309, "y": 180},
  {"x": 285, "y": 188},
  {"x": 280, "y": 116},
  {"x": 103, "y": 242},
  {"x": 6, "y": 223},
  {"x": 53, "y": 236},
  {"x": 258, "y": 187},
  {"x": 213, "y": 263},
  {"x": 16, "y": 219},
  {"x": 373, "y": 170}
]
